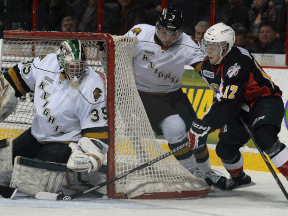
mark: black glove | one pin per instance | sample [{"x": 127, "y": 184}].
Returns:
[{"x": 199, "y": 131}]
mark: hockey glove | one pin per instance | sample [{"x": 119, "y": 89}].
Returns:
[{"x": 198, "y": 133}]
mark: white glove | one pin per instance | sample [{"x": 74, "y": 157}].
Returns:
[{"x": 86, "y": 155}]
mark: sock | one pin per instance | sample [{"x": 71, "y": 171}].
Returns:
[
  {"x": 203, "y": 159},
  {"x": 235, "y": 166},
  {"x": 280, "y": 161}
]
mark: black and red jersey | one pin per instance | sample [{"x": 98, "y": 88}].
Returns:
[{"x": 238, "y": 81}]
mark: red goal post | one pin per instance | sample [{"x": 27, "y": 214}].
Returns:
[{"x": 131, "y": 138}]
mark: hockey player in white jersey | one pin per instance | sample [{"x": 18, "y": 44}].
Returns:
[
  {"x": 70, "y": 123},
  {"x": 158, "y": 64}
]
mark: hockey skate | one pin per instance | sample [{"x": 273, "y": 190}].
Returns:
[
  {"x": 202, "y": 175},
  {"x": 242, "y": 181},
  {"x": 218, "y": 179}
]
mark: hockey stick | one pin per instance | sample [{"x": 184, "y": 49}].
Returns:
[
  {"x": 265, "y": 159},
  {"x": 61, "y": 196}
]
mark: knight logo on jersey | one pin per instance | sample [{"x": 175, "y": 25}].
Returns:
[
  {"x": 42, "y": 57},
  {"x": 233, "y": 70},
  {"x": 97, "y": 93},
  {"x": 136, "y": 31}
]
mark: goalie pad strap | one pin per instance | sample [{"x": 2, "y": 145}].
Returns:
[
  {"x": 4, "y": 143},
  {"x": 42, "y": 164}
]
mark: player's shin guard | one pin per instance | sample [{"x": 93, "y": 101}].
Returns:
[
  {"x": 32, "y": 176},
  {"x": 278, "y": 154},
  {"x": 202, "y": 158},
  {"x": 235, "y": 168}
]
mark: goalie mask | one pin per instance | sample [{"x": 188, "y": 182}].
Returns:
[
  {"x": 169, "y": 27},
  {"x": 218, "y": 41},
  {"x": 72, "y": 57}
]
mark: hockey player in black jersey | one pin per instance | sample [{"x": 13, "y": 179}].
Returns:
[{"x": 242, "y": 89}]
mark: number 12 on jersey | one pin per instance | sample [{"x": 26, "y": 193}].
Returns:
[{"x": 232, "y": 90}]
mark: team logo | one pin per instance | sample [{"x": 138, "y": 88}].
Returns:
[
  {"x": 66, "y": 198},
  {"x": 97, "y": 93},
  {"x": 208, "y": 74},
  {"x": 215, "y": 87},
  {"x": 151, "y": 53},
  {"x": 226, "y": 30},
  {"x": 42, "y": 57},
  {"x": 258, "y": 119},
  {"x": 50, "y": 80},
  {"x": 233, "y": 70},
  {"x": 136, "y": 31}
]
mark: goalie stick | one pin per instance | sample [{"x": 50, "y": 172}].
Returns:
[
  {"x": 265, "y": 159},
  {"x": 61, "y": 196}
]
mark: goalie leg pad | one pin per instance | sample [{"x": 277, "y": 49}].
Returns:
[
  {"x": 6, "y": 155},
  {"x": 8, "y": 101},
  {"x": 32, "y": 176}
]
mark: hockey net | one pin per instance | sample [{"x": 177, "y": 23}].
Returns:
[{"x": 131, "y": 139}]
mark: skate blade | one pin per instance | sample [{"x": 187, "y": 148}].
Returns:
[{"x": 246, "y": 185}]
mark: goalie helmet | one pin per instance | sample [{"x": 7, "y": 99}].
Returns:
[
  {"x": 72, "y": 58},
  {"x": 169, "y": 27},
  {"x": 221, "y": 35}
]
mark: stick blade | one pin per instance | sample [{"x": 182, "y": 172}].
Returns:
[{"x": 46, "y": 196}]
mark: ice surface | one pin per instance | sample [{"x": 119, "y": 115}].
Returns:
[{"x": 265, "y": 198}]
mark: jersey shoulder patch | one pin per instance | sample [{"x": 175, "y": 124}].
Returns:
[
  {"x": 244, "y": 52},
  {"x": 97, "y": 93},
  {"x": 136, "y": 31},
  {"x": 92, "y": 87},
  {"x": 42, "y": 57}
]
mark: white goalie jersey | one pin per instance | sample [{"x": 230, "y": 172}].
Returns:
[
  {"x": 63, "y": 113},
  {"x": 157, "y": 70}
]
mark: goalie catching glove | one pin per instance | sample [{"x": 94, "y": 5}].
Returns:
[{"x": 86, "y": 155}]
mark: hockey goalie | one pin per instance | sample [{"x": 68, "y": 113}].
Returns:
[{"x": 69, "y": 128}]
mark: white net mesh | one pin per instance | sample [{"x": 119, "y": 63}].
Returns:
[{"x": 134, "y": 142}]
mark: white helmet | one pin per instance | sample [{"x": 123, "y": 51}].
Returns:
[
  {"x": 220, "y": 34},
  {"x": 72, "y": 57}
]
